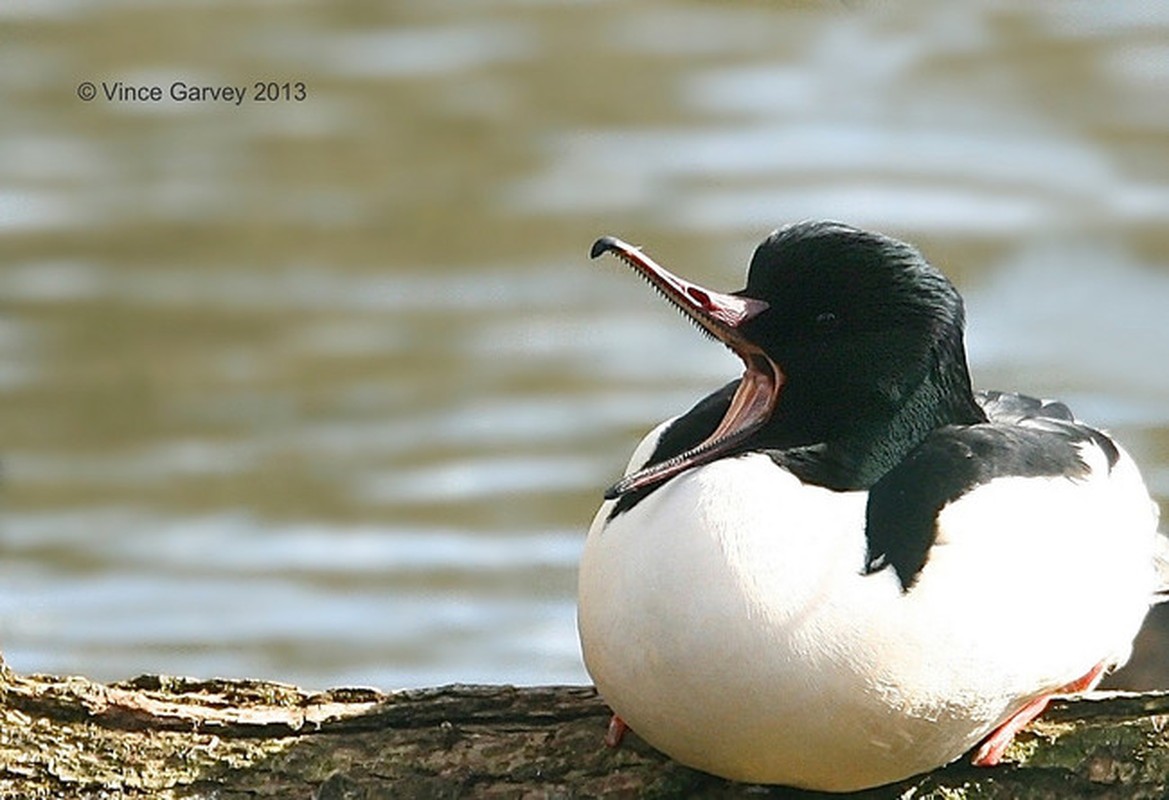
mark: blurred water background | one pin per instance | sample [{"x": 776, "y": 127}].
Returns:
[{"x": 327, "y": 390}]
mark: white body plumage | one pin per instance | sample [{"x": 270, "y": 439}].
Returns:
[{"x": 726, "y": 616}]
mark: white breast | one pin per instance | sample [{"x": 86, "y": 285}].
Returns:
[{"x": 726, "y": 619}]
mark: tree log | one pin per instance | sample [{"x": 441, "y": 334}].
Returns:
[{"x": 164, "y": 737}]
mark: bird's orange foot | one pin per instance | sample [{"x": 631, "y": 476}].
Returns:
[
  {"x": 990, "y": 752},
  {"x": 616, "y": 732}
]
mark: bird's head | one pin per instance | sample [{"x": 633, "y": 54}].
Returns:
[{"x": 841, "y": 331}]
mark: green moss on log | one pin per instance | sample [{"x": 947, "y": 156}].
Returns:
[{"x": 166, "y": 737}]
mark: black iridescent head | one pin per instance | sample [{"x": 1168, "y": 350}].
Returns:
[
  {"x": 861, "y": 326},
  {"x": 853, "y": 351}
]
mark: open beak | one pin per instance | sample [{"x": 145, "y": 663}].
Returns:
[{"x": 720, "y": 315}]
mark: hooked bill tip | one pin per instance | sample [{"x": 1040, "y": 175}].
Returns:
[{"x": 602, "y": 246}]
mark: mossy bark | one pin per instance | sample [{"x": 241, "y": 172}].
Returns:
[{"x": 164, "y": 737}]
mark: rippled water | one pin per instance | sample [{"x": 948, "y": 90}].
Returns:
[{"x": 326, "y": 391}]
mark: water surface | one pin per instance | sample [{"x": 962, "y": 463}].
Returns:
[{"x": 326, "y": 391}]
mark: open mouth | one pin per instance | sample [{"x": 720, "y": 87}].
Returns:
[{"x": 720, "y": 316}]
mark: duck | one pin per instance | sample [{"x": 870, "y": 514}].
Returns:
[{"x": 846, "y": 567}]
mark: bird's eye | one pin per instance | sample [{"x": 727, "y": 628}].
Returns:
[{"x": 826, "y": 322}]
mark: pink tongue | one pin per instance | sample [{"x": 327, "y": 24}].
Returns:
[{"x": 750, "y": 408}]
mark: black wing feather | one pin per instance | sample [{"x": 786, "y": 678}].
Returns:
[{"x": 1025, "y": 437}]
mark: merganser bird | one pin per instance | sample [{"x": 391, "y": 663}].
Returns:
[{"x": 846, "y": 567}]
